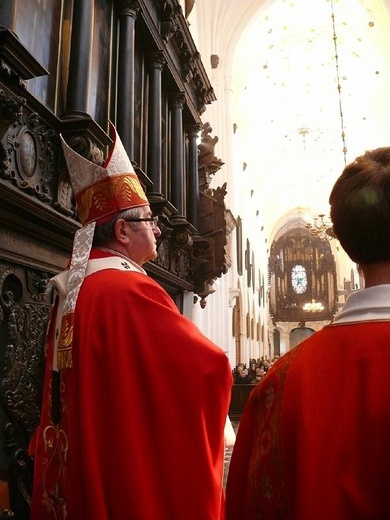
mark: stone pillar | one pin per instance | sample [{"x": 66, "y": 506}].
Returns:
[
  {"x": 127, "y": 14},
  {"x": 177, "y": 152},
  {"x": 154, "y": 169}
]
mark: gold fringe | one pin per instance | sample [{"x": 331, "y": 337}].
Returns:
[
  {"x": 64, "y": 348},
  {"x": 64, "y": 359}
]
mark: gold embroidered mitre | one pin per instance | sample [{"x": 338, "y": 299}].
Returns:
[{"x": 103, "y": 191}]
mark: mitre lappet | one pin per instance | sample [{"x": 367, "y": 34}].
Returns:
[{"x": 101, "y": 192}]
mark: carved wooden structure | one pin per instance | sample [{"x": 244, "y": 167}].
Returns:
[
  {"x": 69, "y": 67},
  {"x": 313, "y": 255}
]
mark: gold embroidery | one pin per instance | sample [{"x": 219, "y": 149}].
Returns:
[
  {"x": 64, "y": 349},
  {"x": 110, "y": 195},
  {"x": 266, "y": 475},
  {"x": 55, "y": 444},
  {"x": 66, "y": 331}
]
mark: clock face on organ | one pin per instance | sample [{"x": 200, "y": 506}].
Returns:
[{"x": 299, "y": 279}]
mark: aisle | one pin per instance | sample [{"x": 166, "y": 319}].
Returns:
[{"x": 228, "y": 455}]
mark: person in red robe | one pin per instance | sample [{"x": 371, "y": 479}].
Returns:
[
  {"x": 135, "y": 396},
  {"x": 313, "y": 442}
]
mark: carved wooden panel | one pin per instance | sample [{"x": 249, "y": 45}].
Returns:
[
  {"x": 24, "y": 311},
  {"x": 27, "y": 152}
]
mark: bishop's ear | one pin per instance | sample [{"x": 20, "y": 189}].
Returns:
[{"x": 121, "y": 231}]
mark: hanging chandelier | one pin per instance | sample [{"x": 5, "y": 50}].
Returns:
[
  {"x": 313, "y": 307},
  {"x": 336, "y": 60},
  {"x": 321, "y": 227}
]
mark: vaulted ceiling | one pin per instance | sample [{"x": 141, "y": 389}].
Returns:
[{"x": 310, "y": 83}]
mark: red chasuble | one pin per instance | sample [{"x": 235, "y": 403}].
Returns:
[
  {"x": 314, "y": 440},
  {"x": 143, "y": 411}
]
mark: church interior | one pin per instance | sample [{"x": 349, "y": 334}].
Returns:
[{"x": 238, "y": 117}]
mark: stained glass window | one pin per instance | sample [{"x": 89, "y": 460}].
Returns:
[{"x": 299, "y": 279}]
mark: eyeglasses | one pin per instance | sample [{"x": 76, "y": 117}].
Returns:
[{"x": 153, "y": 221}]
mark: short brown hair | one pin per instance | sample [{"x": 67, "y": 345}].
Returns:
[{"x": 360, "y": 207}]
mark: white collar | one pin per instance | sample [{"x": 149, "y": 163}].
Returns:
[
  {"x": 136, "y": 267},
  {"x": 368, "y": 304},
  {"x": 119, "y": 262}
]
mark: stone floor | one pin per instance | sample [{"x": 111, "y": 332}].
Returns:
[{"x": 228, "y": 454}]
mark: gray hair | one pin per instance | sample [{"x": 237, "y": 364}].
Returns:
[{"x": 105, "y": 233}]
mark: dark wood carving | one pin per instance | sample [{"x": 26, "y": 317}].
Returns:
[
  {"x": 174, "y": 29},
  {"x": 30, "y": 153},
  {"x": 16, "y": 63},
  {"x": 24, "y": 312},
  {"x": 299, "y": 247},
  {"x": 209, "y": 252},
  {"x": 182, "y": 244},
  {"x": 169, "y": 24},
  {"x": 164, "y": 247},
  {"x": 38, "y": 216}
]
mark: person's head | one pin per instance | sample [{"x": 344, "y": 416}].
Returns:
[
  {"x": 107, "y": 197},
  {"x": 125, "y": 234},
  {"x": 360, "y": 207}
]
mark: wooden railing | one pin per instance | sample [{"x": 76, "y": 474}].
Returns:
[{"x": 240, "y": 395}]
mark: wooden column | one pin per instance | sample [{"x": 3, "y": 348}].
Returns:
[
  {"x": 193, "y": 175},
  {"x": 154, "y": 171},
  {"x": 177, "y": 152},
  {"x": 127, "y": 14},
  {"x": 80, "y": 56}
]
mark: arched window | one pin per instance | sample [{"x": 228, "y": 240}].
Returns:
[{"x": 299, "y": 279}]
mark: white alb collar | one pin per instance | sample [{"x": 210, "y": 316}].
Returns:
[{"x": 368, "y": 304}]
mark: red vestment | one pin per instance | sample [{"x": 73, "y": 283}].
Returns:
[
  {"x": 143, "y": 411},
  {"x": 314, "y": 439}
]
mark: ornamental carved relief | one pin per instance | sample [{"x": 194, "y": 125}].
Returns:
[
  {"x": 169, "y": 23},
  {"x": 24, "y": 313},
  {"x": 164, "y": 247},
  {"x": 174, "y": 28},
  {"x": 65, "y": 202},
  {"x": 181, "y": 242},
  {"x": 27, "y": 150},
  {"x": 210, "y": 255},
  {"x": 10, "y": 106}
]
